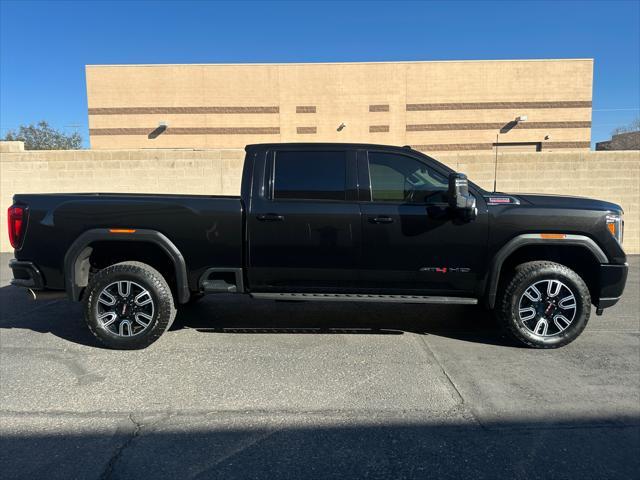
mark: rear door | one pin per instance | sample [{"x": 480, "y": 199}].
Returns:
[
  {"x": 304, "y": 228},
  {"x": 412, "y": 242}
]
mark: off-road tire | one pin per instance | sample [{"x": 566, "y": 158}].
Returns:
[
  {"x": 143, "y": 275},
  {"x": 526, "y": 275}
]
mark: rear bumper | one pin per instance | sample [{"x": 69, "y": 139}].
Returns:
[
  {"x": 611, "y": 282},
  {"x": 26, "y": 274}
]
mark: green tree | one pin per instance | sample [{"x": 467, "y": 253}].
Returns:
[{"x": 44, "y": 137}]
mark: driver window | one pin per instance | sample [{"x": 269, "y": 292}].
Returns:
[{"x": 402, "y": 179}]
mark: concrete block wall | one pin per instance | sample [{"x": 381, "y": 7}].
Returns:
[
  {"x": 11, "y": 146},
  {"x": 613, "y": 176},
  {"x": 212, "y": 172}
]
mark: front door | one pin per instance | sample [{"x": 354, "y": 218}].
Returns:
[
  {"x": 412, "y": 242},
  {"x": 304, "y": 230}
]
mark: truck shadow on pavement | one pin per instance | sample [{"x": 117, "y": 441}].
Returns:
[
  {"x": 235, "y": 315},
  {"x": 242, "y": 315}
]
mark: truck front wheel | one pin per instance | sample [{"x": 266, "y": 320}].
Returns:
[
  {"x": 128, "y": 305},
  {"x": 544, "y": 305}
]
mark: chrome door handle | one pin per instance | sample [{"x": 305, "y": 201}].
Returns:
[
  {"x": 381, "y": 220},
  {"x": 270, "y": 217}
]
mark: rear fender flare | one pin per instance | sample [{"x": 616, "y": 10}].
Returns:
[
  {"x": 514, "y": 244},
  {"x": 79, "y": 248}
]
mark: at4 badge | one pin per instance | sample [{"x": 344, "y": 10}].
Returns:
[{"x": 445, "y": 269}]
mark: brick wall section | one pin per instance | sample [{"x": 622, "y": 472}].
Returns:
[
  {"x": 613, "y": 176},
  {"x": 210, "y": 106}
]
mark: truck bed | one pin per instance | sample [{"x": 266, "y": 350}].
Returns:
[
  {"x": 128, "y": 195},
  {"x": 205, "y": 228}
]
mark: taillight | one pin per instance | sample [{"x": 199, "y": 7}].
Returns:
[{"x": 17, "y": 223}]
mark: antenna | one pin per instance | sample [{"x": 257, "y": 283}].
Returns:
[
  {"x": 495, "y": 166},
  {"x": 512, "y": 124}
]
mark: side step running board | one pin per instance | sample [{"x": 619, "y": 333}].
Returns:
[{"x": 365, "y": 297}]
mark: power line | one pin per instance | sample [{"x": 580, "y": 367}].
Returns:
[
  {"x": 607, "y": 125},
  {"x": 616, "y": 109}
]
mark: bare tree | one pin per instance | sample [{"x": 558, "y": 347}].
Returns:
[
  {"x": 44, "y": 137},
  {"x": 634, "y": 126},
  {"x": 623, "y": 138}
]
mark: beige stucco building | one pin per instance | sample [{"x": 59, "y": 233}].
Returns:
[{"x": 433, "y": 106}]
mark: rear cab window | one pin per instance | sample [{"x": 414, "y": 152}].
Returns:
[{"x": 309, "y": 175}]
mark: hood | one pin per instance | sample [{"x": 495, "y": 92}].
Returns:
[{"x": 558, "y": 201}]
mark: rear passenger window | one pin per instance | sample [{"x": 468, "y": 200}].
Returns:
[{"x": 310, "y": 175}]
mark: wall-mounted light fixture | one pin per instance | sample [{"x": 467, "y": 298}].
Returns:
[
  {"x": 160, "y": 129},
  {"x": 341, "y": 127}
]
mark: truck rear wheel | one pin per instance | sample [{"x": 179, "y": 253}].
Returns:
[
  {"x": 544, "y": 305},
  {"x": 128, "y": 305}
]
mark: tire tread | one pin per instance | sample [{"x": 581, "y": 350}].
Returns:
[
  {"x": 521, "y": 274},
  {"x": 166, "y": 308}
]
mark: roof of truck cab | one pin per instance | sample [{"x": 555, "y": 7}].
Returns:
[
  {"x": 349, "y": 146},
  {"x": 325, "y": 145}
]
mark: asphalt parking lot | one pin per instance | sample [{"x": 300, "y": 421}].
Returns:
[{"x": 257, "y": 389}]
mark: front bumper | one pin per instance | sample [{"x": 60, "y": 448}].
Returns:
[
  {"x": 611, "y": 282},
  {"x": 26, "y": 274}
]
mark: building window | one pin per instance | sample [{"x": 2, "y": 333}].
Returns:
[{"x": 518, "y": 146}]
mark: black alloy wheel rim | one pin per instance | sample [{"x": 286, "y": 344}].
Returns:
[
  {"x": 125, "y": 308},
  {"x": 547, "y": 308}
]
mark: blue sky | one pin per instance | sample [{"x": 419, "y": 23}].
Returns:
[{"x": 44, "y": 46}]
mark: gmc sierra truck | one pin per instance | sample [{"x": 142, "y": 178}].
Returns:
[{"x": 325, "y": 222}]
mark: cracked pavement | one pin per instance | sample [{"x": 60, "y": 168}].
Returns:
[{"x": 257, "y": 389}]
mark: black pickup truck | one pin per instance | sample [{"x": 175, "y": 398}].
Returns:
[{"x": 325, "y": 222}]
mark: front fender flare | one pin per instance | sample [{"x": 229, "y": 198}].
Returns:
[
  {"x": 534, "y": 239},
  {"x": 104, "y": 234}
]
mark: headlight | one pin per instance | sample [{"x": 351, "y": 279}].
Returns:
[{"x": 615, "y": 224}]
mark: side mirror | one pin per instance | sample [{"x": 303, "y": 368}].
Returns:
[{"x": 460, "y": 200}]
